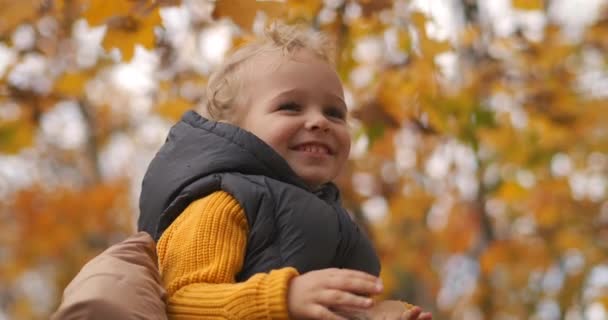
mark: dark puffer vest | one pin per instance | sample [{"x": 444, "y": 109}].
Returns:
[{"x": 289, "y": 224}]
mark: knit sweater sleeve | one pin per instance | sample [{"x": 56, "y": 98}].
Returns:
[{"x": 199, "y": 257}]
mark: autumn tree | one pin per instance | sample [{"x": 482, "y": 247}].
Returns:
[{"x": 479, "y": 162}]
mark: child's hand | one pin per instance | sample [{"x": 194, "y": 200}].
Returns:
[
  {"x": 386, "y": 310},
  {"x": 396, "y": 310},
  {"x": 416, "y": 313},
  {"x": 313, "y": 295}
]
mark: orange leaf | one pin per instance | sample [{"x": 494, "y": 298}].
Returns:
[
  {"x": 428, "y": 46},
  {"x": 243, "y": 12},
  {"x": 306, "y": 10},
  {"x": 528, "y": 4},
  {"x": 99, "y": 11},
  {"x": 397, "y": 95},
  {"x": 16, "y": 135},
  {"x": 413, "y": 207},
  {"x": 603, "y": 299},
  {"x": 15, "y": 12},
  {"x": 511, "y": 192},
  {"x": 129, "y": 23},
  {"x": 570, "y": 239},
  {"x": 371, "y": 7},
  {"x": 547, "y": 216},
  {"x": 470, "y": 36},
  {"x": 71, "y": 84},
  {"x": 174, "y": 109},
  {"x": 497, "y": 253}
]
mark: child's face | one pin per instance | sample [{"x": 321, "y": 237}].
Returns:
[{"x": 295, "y": 103}]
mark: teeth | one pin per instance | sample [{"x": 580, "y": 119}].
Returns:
[{"x": 314, "y": 149}]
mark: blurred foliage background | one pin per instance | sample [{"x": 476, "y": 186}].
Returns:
[{"x": 479, "y": 162}]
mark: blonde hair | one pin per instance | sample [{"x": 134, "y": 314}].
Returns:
[{"x": 224, "y": 83}]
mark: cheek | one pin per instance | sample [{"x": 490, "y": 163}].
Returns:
[
  {"x": 344, "y": 138},
  {"x": 277, "y": 138}
]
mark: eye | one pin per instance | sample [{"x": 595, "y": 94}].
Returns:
[
  {"x": 335, "y": 112},
  {"x": 289, "y": 106}
]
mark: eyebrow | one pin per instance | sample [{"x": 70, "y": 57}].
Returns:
[{"x": 299, "y": 92}]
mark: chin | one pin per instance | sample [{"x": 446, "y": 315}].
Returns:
[
  {"x": 315, "y": 183},
  {"x": 314, "y": 177}
]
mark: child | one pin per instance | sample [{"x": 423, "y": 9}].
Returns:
[{"x": 248, "y": 223}]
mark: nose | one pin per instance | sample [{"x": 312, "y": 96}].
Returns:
[{"x": 317, "y": 122}]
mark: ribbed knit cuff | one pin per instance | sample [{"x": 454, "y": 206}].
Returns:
[
  {"x": 263, "y": 296},
  {"x": 275, "y": 291}
]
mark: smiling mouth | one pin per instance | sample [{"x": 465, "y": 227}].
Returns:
[{"x": 313, "y": 148}]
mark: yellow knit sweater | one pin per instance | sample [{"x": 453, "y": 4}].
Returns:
[{"x": 199, "y": 256}]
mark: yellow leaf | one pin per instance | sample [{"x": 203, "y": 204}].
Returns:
[
  {"x": 129, "y": 23},
  {"x": 384, "y": 146},
  {"x": 389, "y": 280},
  {"x": 469, "y": 36},
  {"x": 397, "y": 95},
  {"x": 414, "y": 206},
  {"x": 22, "y": 308},
  {"x": 243, "y": 12},
  {"x": 431, "y": 47},
  {"x": 303, "y": 10},
  {"x": 12, "y": 13},
  {"x": 404, "y": 41},
  {"x": 99, "y": 11},
  {"x": 15, "y": 135},
  {"x": 174, "y": 109},
  {"x": 364, "y": 26},
  {"x": 569, "y": 239},
  {"x": 511, "y": 192},
  {"x": 461, "y": 230},
  {"x": 71, "y": 84},
  {"x": 371, "y": 7},
  {"x": 603, "y": 299},
  {"x": 496, "y": 254},
  {"x": 428, "y": 46},
  {"x": 506, "y": 142},
  {"x": 550, "y": 134},
  {"x": 126, "y": 38},
  {"x": 547, "y": 215},
  {"x": 418, "y": 19},
  {"x": 528, "y": 4}
]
